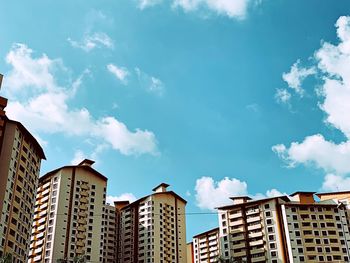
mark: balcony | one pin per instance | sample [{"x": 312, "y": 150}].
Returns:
[
  {"x": 84, "y": 187},
  {"x": 81, "y": 236},
  {"x": 80, "y": 244},
  {"x": 253, "y": 219},
  {"x": 37, "y": 258},
  {"x": 83, "y": 200},
  {"x": 254, "y": 227},
  {"x": 83, "y": 207},
  {"x": 82, "y": 221},
  {"x": 239, "y": 245},
  {"x": 255, "y": 234},
  {"x": 259, "y": 259},
  {"x": 240, "y": 254},
  {"x": 256, "y": 243},
  {"x": 82, "y": 214},
  {"x": 81, "y": 228},
  {"x": 236, "y": 222},
  {"x": 84, "y": 193},
  {"x": 257, "y": 251},
  {"x": 238, "y": 237}
]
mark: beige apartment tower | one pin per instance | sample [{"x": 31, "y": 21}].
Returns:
[
  {"x": 153, "y": 229},
  {"x": 252, "y": 230},
  {"x": 206, "y": 247},
  {"x": 290, "y": 229},
  {"x": 68, "y": 213},
  {"x": 20, "y": 160},
  {"x": 316, "y": 231}
]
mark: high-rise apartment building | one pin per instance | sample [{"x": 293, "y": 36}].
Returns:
[
  {"x": 206, "y": 247},
  {"x": 252, "y": 230},
  {"x": 153, "y": 229},
  {"x": 109, "y": 234},
  {"x": 286, "y": 229},
  {"x": 315, "y": 231},
  {"x": 20, "y": 160},
  {"x": 68, "y": 218}
]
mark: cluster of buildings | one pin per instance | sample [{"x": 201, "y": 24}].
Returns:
[
  {"x": 63, "y": 215},
  {"x": 295, "y": 228}
]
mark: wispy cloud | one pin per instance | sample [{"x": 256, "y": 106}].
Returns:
[
  {"x": 150, "y": 83},
  {"x": 42, "y": 105},
  {"x": 92, "y": 41},
  {"x": 282, "y": 96},
  {"x": 296, "y": 76},
  {"x": 120, "y": 73}
]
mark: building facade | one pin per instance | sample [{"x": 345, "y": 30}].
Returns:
[
  {"x": 315, "y": 231},
  {"x": 109, "y": 223},
  {"x": 153, "y": 229},
  {"x": 68, "y": 213},
  {"x": 20, "y": 160},
  {"x": 290, "y": 229},
  {"x": 206, "y": 247},
  {"x": 251, "y": 230}
]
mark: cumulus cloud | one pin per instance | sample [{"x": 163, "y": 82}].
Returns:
[
  {"x": 92, "y": 41},
  {"x": 123, "y": 197},
  {"x": 333, "y": 63},
  {"x": 316, "y": 150},
  {"x": 120, "y": 73},
  {"x": 210, "y": 194},
  {"x": 236, "y": 9},
  {"x": 296, "y": 76},
  {"x": 45, "y": 107},
  {"x": 150, "y": 83},
  {"x": 334, "y": 182}
]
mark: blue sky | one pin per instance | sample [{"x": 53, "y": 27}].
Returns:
[{"x": 215, "y": 97}]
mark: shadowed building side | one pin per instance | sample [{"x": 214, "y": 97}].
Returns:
[{"x": 20, "y": 161}]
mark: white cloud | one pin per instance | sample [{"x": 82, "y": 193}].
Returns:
[
  {"x": 123, "y": 197},
  {"x": 282, "y": 96},
  {"x": 329, "y": 156},
  {"x": 120, "y": 73},
  {"x": 28, "y": 72},
  {"x": 231, "y": 8},
  {"x": 147, "y": 3},
  {"x": 296, "y": 76},
  {"x": 269, "y": 193},
  {"x": 46, "y": 109},
  {"x": 334, "y": 182},
  {"x": 150, "y": 83},
  {"x": 92, "y": 41},
  {"x": 333, "y": 63},
  {"x": 211, "y": 194},
  {"x": 79, "y": 156}
]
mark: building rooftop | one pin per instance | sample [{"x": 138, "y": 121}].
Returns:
[
  {"x": 36, "y": 144},
  {"x": 332, "y": 193},
  {"x": 164, "y": 185},
  {"x": 216, "y": 229},
  {"x": 302, "y": 192},
  {"x": 82, "y": 165},
  {"x": 252, "y": 202}
]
